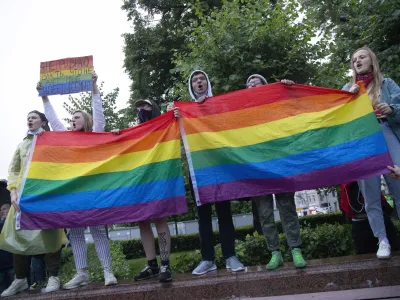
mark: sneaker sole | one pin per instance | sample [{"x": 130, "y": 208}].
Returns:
[
  {"x": 383, "y": 257},
  {"x": 165, "y": 280},
  {"x": 20, "y": 291},
  {"x": 111, "y": 283},
  {"x": 52, "y": 290},
  {"x": 152, "y": 276},
  {"x": 209, "y": 270},
  {"x": 75, "y": 287},
  {"x": 236, "y": 270}
]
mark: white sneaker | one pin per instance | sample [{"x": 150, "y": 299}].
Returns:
[
  {"x": 80, "y": 279},
  {"x": 53, "y": 284},
  {"x": 109, "y": 278},
  {"x": 18, "y": 285},
  {"x": 383, "y": 251}
]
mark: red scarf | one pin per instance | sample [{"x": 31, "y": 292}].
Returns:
[{"x": 367, "y": 78}]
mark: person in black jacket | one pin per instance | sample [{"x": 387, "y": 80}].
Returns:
[{"x": 6, "y": 258}]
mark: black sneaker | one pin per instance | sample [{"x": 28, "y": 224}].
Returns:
[
  {"x": 147, "y": 273},
  {"x": 165, "y": 274}
]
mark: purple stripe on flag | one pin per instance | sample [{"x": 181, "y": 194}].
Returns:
[
  {"x": 113, "y": 215},
  {"x": 348, "y": 172}
]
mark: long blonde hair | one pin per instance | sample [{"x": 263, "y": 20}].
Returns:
[
  {"x": 88, "y": 120},
  {"x": 375, "y": 85}
]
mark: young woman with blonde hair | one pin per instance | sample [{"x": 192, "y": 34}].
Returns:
[
  {"x": 82, "y": 121},
  {"x": 385, "y": 98}
]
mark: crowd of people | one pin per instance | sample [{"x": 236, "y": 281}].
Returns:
[{"x": 14, "y": 268}]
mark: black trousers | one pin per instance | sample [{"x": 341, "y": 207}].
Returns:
[{"x": 225, "y": 224}]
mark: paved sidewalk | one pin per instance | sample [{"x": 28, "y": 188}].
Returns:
[{"x": 380, "y": 293}]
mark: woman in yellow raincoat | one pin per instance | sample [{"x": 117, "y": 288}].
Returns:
[{"x": 23, "y": 243}]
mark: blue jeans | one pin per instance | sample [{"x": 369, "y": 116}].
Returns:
[
  {"x": 6, "y": 278},
  {"x": 371, "y": 187}
]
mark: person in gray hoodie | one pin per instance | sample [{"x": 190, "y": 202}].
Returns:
[
  {"x": 200, "y": 90},
  {"x": 287, "y": 211}
]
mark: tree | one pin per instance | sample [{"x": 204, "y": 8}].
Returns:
[
  {"x": 158, "y": 34},
  {"x": 115, "y": 119},
  {"x": 246, "y": 37},
  {"x": 352, "y": 24}
]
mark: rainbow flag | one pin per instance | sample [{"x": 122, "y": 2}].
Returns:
[
  {"x": 278, "y": 138},
  {"x": 78, "y": 179},
  {"x": 66, "y": 76}
]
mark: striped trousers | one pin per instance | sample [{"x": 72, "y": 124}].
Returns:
[{"x": 79, "y": 247}]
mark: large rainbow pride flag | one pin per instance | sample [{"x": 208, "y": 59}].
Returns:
[
  {"x": 278, "y": 138},
  {"x": 78, "y": 179}
]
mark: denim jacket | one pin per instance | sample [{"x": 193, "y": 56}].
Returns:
[{"x": 390, "y": 94}]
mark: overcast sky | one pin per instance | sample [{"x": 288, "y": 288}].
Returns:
[{"x": 43, "y": 30}]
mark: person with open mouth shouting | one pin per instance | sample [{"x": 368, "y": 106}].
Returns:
[
  {"x": 385, "y": 98},
  {"x": 24, "y": 243},
  {"x": 82, "y": 121}
]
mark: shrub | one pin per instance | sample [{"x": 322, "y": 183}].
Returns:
[
  {"x": 134, "y": 249},
  {"x": 327, "y": 240},
  {"x": 121, "y": 267}
]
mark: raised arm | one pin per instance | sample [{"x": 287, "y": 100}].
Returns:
[
  {"x": 99, "y": 121},
  {"x": 51, "y": 114}
]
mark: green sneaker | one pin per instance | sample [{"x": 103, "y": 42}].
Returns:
[
  {"x": 276, "y": 261},
  {"x": 298, "y": 259}
]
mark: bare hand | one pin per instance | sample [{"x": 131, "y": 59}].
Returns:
[
  {"x": 202, "y": 99},
  {"x": 354, "y": 89},
  {"x": 94, "y": 77},
  {"x": 115, "y": 131},
  {"x": 170, "y": 107},
  {"x": 14, "y": 199},
  {"x": 394, "y": 172},
  {"x": 384, "y": 108},
  {"x": 38, "y": 86},
  {"x": 177, "y": 114},
  {"x": 287, "y": 82}
]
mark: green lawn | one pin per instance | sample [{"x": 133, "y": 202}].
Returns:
[{"x": 138, "y": 264}]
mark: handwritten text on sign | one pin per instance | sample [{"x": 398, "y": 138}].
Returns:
[{"x": 66, "y": 76}]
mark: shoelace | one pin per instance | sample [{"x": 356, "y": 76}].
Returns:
[
  {"x": 235, "y": 259},
  {"x": 203, "y": 262},
  {"x": 146, "y": 268},
  {"x": 297, "y": 255},
  {"x": 163, "y": 269},
  {"x": 274, "y": 258}
]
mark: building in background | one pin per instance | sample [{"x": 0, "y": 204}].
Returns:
[{"x": 311, "y": 202}]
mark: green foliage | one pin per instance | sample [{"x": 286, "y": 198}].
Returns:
[
  {"x": 246, "y": 37},
  {"x": 115, "y": 119},
  {"x": 323, "y": 241},
  {"x": 157, "y": 35},
  {"x": 121, "y": 267},
  {"x": 348, "y": 25},
  {"x": 134, "y": 249}
]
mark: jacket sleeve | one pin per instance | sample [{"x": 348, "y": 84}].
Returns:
[
  {"x": 99, "y": 121},
  {"x": 346, "y": 87},
  {"x": 394, "y": 101},
  {"x": 51, "y": 115},
  {"x": 14, "y": 170}
]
